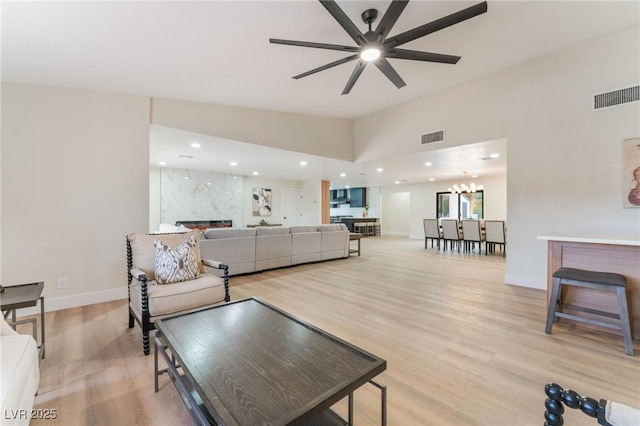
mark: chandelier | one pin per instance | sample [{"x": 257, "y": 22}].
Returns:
[{"x": 463, "y": 187}]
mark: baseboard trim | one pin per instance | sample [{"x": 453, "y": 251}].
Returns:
[
  {"x": 526, "y": 282},
  {"x": 76, "y": 300}
]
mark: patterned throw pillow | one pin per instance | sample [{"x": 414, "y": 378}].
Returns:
[{"x": 174, "y": 265}]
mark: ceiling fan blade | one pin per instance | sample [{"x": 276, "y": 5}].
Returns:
[
  {"x": 315, "y": 45},
  {"x": 354, "y": 76},
  {"x": 422, "y": 56},
  {"x": 344, "y": 21},
  {"x": 386, "y": 68},
  {"x": 390, "y": 17},
  {"x": 327, "y": 66},
  {"x": 436, "y": 25}
]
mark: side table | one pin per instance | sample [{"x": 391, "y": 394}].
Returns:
[
  {"x": 24, "y": 296},
  {"x": 354, "y": 236}
]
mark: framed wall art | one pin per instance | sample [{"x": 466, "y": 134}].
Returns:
[
  {"x": 631, "y": 173},
  {"x": 261, "y": 203}
]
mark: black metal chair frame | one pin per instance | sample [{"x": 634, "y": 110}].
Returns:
[{"x": 145, "y": 322}]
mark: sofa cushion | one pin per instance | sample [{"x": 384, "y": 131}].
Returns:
[
  {"x": 176, "y": 264},
  {"x": 302, "y": 228},
  {"x": 170, "y": 298},
  {"x": 271, "y": 230},
  {"x": 214, "y": 233},
  {"x": 332, "y": 227},
  {"x": 144, "y": 254},
  {"x": 20, "y": 377}
]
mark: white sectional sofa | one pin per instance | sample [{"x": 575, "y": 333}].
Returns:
[
  {"x": 20, "y": 372},
  {"x": 247, "y": 250}
]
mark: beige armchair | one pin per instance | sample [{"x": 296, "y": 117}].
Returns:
[{"x": 166, "y": 276}]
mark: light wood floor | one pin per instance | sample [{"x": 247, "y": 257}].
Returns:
[{"x": 462, "y": 347}]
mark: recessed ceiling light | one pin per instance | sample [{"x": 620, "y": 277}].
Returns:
[
  {"x": 397, "y": 182},
  {"x": 428, "y": 163},
  {"x": 303, "y": 163},
  {"x": 474, "y": 176},
  {"x": 346, "y": 186},
  {"x": 343, "y": 174},
  {"x": 431, "y": 179},
  {"x": 187, "y": 177},
  {"x": 209, "y": 183},
  {"x": 233, "y": 163},
  {"x": 379, "y": 169},
  {"x": 162, "y": 163},
  {"x": 255, "y": 173},
  {"x": 495, "y": 155},
  {"x": 195, "y": 145}
]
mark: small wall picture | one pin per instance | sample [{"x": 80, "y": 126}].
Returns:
[
  {"x": 631, "y": 173},
  {"x": 261, "y": 203}
]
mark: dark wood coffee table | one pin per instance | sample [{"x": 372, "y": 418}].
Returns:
[{"x": 249, "y": 363}]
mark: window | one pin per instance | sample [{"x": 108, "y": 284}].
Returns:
[{"x": 460, "y": 206}]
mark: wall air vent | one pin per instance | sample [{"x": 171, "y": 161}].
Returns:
[
  {"x": 616, "y": 97},
  {"x": 432, "y": 137}
]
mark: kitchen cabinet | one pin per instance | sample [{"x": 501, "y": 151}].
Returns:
[{"x": 358, "y": 197}]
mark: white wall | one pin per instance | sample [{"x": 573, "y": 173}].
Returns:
[
  {"x": 324, "y": 136},
  {"x": 564, "y": 159},
  {"x": 155, "y": 198},
  {"x": 276, "y": 186},
  {"x": 75, "y": 181},
  {"x": 311, "y": 202},
  {"x": 395, "y": 218}
]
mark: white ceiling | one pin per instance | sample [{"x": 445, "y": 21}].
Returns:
[{"x": 218, "y": 52}]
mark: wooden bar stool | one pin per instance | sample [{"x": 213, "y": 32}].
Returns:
[
  {"x": 605, "y": 281},
  {"x": 361, "y": 228}
]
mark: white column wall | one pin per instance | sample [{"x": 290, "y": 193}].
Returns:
[{"x": 75, "y": 181}]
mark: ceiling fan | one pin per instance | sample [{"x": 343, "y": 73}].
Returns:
[{"x": 376, "y": 46}]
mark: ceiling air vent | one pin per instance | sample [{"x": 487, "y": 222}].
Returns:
[
  {"x": 432, "y": 137},
  {"x": 616, "y": 97}
]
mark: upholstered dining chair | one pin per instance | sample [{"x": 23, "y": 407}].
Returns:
[
  {"x": 166, "y": 276},
  {"x": 431, "y": 232},
  {"x": 495, "y": 234},
  {"x": 451, "y": 233},
  {"x": 472, "y": 234}
]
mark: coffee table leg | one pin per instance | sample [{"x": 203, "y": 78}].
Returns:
[
  {"x": 383, "y": 399},
  {"x": 350, "y": 402},
  {"x": 42, "y": 325}
]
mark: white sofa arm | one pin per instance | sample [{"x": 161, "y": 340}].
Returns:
[{"x": 6, "y": 330}]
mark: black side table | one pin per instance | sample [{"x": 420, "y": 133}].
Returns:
[{"x": 23, "y": 296}]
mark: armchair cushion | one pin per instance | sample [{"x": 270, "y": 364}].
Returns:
[
  {"x": 171, "y": 298},
  {"x": 176, "y": 264}
]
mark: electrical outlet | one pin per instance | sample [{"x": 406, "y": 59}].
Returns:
[{"x": 62, "y": 282}]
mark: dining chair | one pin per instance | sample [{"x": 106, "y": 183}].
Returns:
[
  {"x": 472, "y": 234},
  {"x": 495, "y": 234},
  {"x": 431, "y": 232},
  {"x": 451, "y": 233}
]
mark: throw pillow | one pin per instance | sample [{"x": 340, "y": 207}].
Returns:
[{"x": 177, "y": 264}]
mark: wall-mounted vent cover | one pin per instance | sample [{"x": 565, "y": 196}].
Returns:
[
  {"x": 432, "y": 137},
  {"x": 616, "y": 97}
]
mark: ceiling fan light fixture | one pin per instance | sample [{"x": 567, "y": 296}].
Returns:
[{"x": 370, "y": 54}]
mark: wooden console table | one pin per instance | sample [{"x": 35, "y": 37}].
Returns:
[{"x": 597, "y": 253}]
